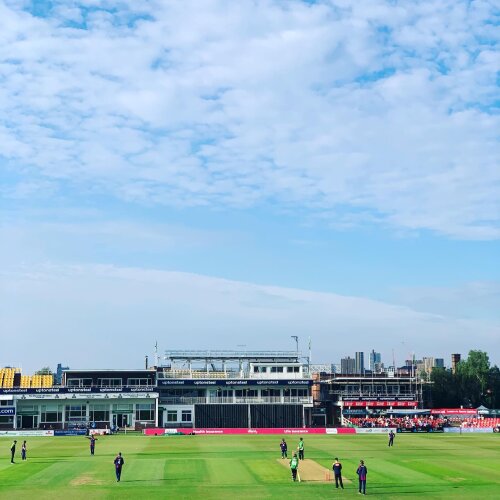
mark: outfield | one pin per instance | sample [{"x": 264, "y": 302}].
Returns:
[{"x": 209, "y": 467}]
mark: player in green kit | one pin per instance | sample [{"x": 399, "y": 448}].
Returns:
[
  {"x": 294, "y": 465},
  {"x": 301, "y": 449}
]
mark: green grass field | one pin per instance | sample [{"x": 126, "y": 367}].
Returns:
[{"x": 209, "y": 467}]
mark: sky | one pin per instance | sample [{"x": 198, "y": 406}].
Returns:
[{"x": 225, "y": 175}]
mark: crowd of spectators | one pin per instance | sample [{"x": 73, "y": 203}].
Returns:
[
  {"x": 425, "y": 423},
  {"x": 413, "y": 424}
]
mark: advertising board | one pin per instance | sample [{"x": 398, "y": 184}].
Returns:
[{"x": 27, "y": 433}]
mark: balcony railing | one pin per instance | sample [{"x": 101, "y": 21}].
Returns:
[
  {"x": 369, "y": 394},
  {"x": 201, "y": 374},
  {"x": 116, "y": 388},
  {"x": 217, "y": 400}
]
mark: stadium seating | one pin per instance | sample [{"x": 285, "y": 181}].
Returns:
[
  {"x": 421, "y": 422},
  {"x": 480, "y": 422},
  {"x": 8, "y": 375}
]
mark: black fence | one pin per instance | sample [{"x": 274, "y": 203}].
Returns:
[{"x": 245, "y": 416}]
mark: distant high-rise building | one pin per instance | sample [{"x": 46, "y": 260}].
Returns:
[
  {"x": 375, "y": 361},
  {"x": 439, "y": 363},
  {"x": 455, "y": 359},
  {"x": 427, "y": 364},
  {"x": 347, "y": 366},
  {"x": 360, "y": 363}
]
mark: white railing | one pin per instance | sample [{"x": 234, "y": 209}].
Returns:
[
  {"x": 201, "y": 374},
  {"x": 217, "y": 400}
]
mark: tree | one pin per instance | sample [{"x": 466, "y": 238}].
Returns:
[
  {"x": 444, "y": 390},
  {"x": 493, "y": 388},
  {"x": 44, "y": 371},
  {"x": 473, "y": 376}
]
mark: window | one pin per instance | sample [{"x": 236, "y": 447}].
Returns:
[
  {"x": 123, "y": 408},
  {"x": 145, "y": 412},
  {"x": 79, "y": 382},
  {"x": 139, "y": 382},
  {"x": 109, "y": 382},
  {"x": 246, "y": 393},
  {"x": 299, "y": 392},
  {"x": 76, "y": 413},
  {"x": 275, "y": 393},
  {"x": 255, "y": 369},
  {"x": 51, "y": 413},
  {"x": 186, "y": 416},
  {"x": 27, "y": 410},
  {"x": 276, "y": 369},
  {"x": 99, "y": 413},
  {"x": 171, "y": 415},
  {"x": 263, "y": 369}
]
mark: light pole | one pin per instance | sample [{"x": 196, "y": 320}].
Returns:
[{"x": 296, "y": 342}]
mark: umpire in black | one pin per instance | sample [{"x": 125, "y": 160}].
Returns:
[
  {"x": 337, "y": 472},
  {"x": 13, "y": 451}
]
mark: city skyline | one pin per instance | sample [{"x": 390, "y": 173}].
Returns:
[{"x": 215, "y": 174}]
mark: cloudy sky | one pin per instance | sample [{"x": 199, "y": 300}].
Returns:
[{"x": 219, "y": 174}]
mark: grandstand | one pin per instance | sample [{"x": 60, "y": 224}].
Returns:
[
  {"x": 12, "y": 378},
  {"x": 202, "y": 389},
  {"x": 7, "y": 376}
]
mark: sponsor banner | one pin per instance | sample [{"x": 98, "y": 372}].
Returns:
[
  {"x": 229, "y": 431},
  {"x": 32, "y": 433},
  {"x": 348, "y": 411},
  {"x": 346, "y": 430},
  {"x": 281, "y": 430},
  {"x": 99, "y": 396},
  {"x": 157, "y": 431},
  {"x": 382, "y": 398},
  {"x": 6, "y": 411},
  {"x": 460, "y": 430},
  {"x": 376, "y": 430},
  {"x": 70, "y": 432},
  {"x": 232, "y": 382},
  {"x": 454, "y": 411},
  {"x": 379, "y": 403},
  {"x": 78, "y": 390}
]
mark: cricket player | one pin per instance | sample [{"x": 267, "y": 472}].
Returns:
[
  {"x": 13, "y": 451},
  {"x": 92, "y": 444},
  {"x": 391, "y": 438},
  {"x": 337, "y": 472},
  {"x": 23, "y": 451},
  {"x": 362, "y": 473},
  {"x": 119, "y": 462},
  {"x": 301, "y": 449},
  {"x": 284, "y": 448},
  {"x": 294, "y": 465}
]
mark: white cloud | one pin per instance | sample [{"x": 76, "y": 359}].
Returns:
[
  {"x": 332, "y": 107},
  {"x": 117, "y": 313},
  {"x": 479, "y": 299}
]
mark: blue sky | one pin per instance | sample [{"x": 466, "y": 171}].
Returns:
[{"x": 214, "y": 174}]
